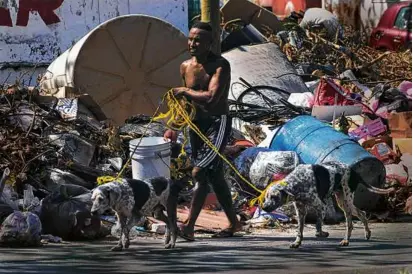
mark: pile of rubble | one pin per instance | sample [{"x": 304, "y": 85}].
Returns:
[
  {"x": 53, "y": 148},
  {"x": 341, "y": 75},
  {"x": 52, "y": 152}
]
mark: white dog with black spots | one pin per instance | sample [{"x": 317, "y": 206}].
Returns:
[
  {"x": 310, "y": 186},
  {"x": 132, "y": 199}
]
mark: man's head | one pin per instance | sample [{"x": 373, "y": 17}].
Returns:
[{"x": 200, "y": 39}]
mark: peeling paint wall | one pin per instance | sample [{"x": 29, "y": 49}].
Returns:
[
  {"x": 34, "y": 32},
  {"x": 361, "y": 14}
]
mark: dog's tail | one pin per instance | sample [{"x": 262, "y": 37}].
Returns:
[
  {"x": 378, "y": 190},
  {"x": 370, "y": 188}
]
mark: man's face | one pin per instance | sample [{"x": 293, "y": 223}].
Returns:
[{"x": 199, "y": 42}]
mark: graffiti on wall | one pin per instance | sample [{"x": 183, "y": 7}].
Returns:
[
  {"x": 45, "y": 9},
  {"x": 37, "y": 31}
]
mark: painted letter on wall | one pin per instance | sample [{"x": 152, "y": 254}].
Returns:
[{"x": 45, "y": 8}]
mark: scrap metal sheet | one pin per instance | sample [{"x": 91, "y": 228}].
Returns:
[{"x": 262, "y": 64}]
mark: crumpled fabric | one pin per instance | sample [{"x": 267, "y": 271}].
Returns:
[
  {"x": 387, "y": 99},
  {"x": 21, "y": 229}
]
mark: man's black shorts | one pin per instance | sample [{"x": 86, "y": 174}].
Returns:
[{"x": 218, "y": 130}]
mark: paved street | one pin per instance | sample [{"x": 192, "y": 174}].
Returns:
[{"x": 389, "y": 251}]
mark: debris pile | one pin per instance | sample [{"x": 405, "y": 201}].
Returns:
[
  {"x": 357, "y": 90},
  {"x": 53, "y": 150},
  {"x": 54, "y": 147},
  {"x": 351, "y": 53}
]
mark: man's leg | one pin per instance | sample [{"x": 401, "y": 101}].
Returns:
[
  {"x": 198, "y": 200},
  {"x": 223, "y": 193}
]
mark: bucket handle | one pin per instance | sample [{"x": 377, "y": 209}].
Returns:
[{"x": 156, "y": 155}]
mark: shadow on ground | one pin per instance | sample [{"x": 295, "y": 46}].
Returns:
[{"x": 205, "y": 255}]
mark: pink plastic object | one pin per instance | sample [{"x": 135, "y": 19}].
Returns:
[
  {"x": 406, "y": 88},
  {"x": 373, "y": 129}
]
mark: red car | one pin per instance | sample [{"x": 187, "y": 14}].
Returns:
[{"x": 394, "y": 31}]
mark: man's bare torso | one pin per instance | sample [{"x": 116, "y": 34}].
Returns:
[{"x": 198, "y": 76}]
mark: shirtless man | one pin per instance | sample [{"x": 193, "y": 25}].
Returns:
[{"x": 206, "y": 78}]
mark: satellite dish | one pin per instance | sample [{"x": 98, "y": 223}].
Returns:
[{"x": 125, "y": 64}]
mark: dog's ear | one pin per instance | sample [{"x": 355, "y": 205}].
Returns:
[
  {"x": 112, "y": 196},
  {"x": 284, "y": 196},
  {"x": 106, "y": 192}
]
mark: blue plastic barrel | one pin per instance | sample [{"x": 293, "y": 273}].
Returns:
[{"x": 316, "y": 142}]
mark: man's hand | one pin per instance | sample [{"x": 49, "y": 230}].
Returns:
[
  {"x": 179, "y": 92},
  {"x": 171, "y": 135}
]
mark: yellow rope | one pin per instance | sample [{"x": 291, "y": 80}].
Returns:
[
  {"x": 180, "y": 115},
  {"x": 179, "y": 119},
  {"x": 261, "y": 197}
]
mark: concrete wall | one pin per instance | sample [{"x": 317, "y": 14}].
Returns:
[{"x": 34, "y": 32}]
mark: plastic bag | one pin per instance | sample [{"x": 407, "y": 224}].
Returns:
[
  {"x": 397, "y": 172},
  {"x": 305, "y": 99},
  {"x": 21, "y": 229},
  {"x": 259, "y": 164},
  {"x": 327, "y": 91},
  {"x": 406, "y": 88},
  {"x": 269, "y": 163}
]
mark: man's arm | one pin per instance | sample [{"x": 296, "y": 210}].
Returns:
[
  {"x": 169, "y": 133},
  {"x": 216, "y": 87},
  {"x": 182, "y": 70}
]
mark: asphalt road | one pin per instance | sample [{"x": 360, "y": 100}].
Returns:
[{"x": 265, "y": 251}]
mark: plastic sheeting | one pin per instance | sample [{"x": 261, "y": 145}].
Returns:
[{"x": 263, "y": 64}]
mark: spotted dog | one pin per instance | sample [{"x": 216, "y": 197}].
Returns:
[
  {"x": 311, "y": 186},
  {"x": 133, "y": 199}
]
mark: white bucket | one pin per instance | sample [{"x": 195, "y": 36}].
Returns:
[{"x": 152, "y": 158}]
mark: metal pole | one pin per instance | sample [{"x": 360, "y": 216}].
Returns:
[{"x": 210, "y": 13}]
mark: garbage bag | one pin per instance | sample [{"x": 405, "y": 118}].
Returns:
[
  {"x": 21, "y": 229},
  {"x": 66, "y": 213},
  {"x": 260, "y": 164},
  {"x": 267, "y": 164}
]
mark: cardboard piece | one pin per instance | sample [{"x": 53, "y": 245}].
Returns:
[
  {"x": 404, "y": 144},
  {"x": 251, "y": 13},
  {"x": 400, "y": 124},
  {"x": 369, "y": 143},
  {"x": 207, "y": 220},
  {"x": 326, "y": 113}
]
